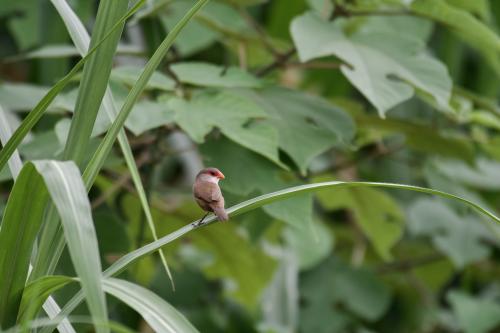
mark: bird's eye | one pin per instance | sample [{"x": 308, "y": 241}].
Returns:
[{"x": 212, "y": 173}]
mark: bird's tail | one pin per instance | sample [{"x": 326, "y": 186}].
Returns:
[{"x": 221, "y": 214}]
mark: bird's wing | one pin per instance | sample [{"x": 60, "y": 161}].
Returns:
[{"x": 208, "y": 192}]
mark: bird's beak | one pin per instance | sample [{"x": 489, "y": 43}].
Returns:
[{"x": 220, "y": 175}]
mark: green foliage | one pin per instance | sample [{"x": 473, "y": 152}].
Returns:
[{"x": 318, "y": 112}]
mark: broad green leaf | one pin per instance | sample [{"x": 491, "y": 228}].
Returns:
[
  {"x": 385, "y": 66},
  {"x": 235, "y": 116},
  {"x": 307, "y": 125},
  {"x": 206, "y": 110},
  {"x": 459, "y": 237},
  {"x": 209, "y": 75},
  {"x": 160, "y": 315},
  {"x": 94, "y": 80},
  {"x": 124, "y": 262},
  {"x": 147, "y": 115},
  {"x": 376, "y": 213},
  {"x": 465, "y": 25},
  {"x": 20, "y": 225},
  {"x": 475, "y": 315},
  {"x": 129, "y": 75}
]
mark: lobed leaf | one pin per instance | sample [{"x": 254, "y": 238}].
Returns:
[{"x": 385, "y": 66}]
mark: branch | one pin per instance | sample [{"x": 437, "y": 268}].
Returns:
[
  {"x": 314, "y": 65},
  {"x": 280, "y": 61},
  {"x": 409, "y": 264}
]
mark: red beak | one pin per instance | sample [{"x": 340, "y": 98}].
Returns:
[{"x": 220, "y": 175}]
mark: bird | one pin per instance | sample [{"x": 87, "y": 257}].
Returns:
[{"x": 207, "y": 193}]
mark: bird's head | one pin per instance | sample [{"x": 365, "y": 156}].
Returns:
[{"x": 212, "y": 175}]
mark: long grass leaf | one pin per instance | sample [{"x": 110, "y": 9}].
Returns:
[
  {"x": 35, "y": 115},
  {"x": 81, "y": 40},
  {"x": 69, "y": 195},
  {"x": 21, "y": 222},
  {"x": 246, "y": 206},
  {"x": 36, "y": 293},
  {"x": 41, "y": 323},
  {"x": 15, "y": 166},
  {"x": 20, "y": 225},
  {"x": 161, "y": 316},
  {"x": 95, "y": 79},
  {"x": 15, "y": 163}
]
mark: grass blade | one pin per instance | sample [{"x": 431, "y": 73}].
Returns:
[
  {"x": 36, "y": 293},
  {"x": 35, "y": 115},
  {"x": 40, "y": 323},
  {"x": 94, "y": 79},
  {"x": 81, "y": 40},
  {"x": 69, "y": 195},
  {"x": 161, "y": 316},
  {"x": 20, "y": 225},
  {"x": 15, "y": 165},
  {"x": 125, "y": 261}
]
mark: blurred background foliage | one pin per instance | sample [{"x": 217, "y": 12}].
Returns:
[{"x": 278, "y": 93}]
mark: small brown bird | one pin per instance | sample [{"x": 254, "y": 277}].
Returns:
[{"x": 207, "y": 192}]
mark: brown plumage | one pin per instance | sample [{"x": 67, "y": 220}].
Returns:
[{"x": 207, "y": 192}]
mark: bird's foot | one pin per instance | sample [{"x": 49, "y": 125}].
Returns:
[{"x": 200, "y": 222}]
